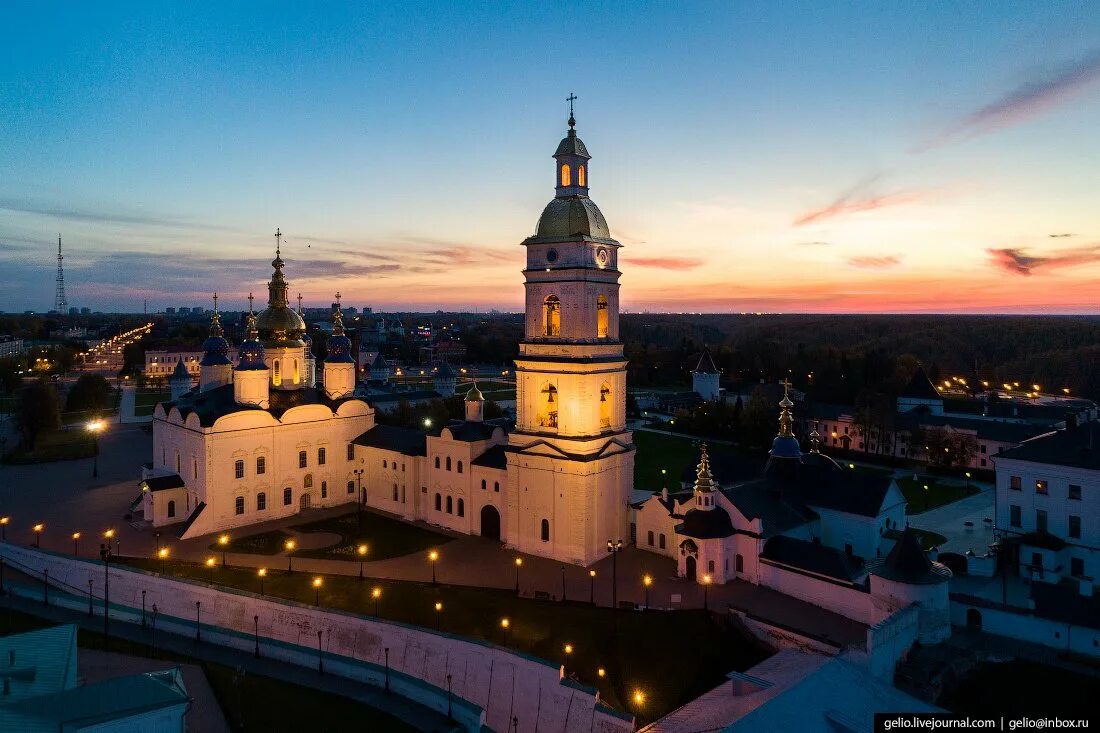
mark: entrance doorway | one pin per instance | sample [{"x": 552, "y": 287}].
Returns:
[
  {"x": 974, "y": 619},
  {"x": 490, "y": 522},
  {"x": 303, "y": 502},
  {"x": 689, "y": 565}
]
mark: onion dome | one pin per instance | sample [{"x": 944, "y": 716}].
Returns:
[
  {"x": 338, "y": 345},
  {"x": 250, "y": 354},
  {"x": 215, "y": 349},
  {"x": 785, "y": 444},
  {"x": 278, "y": 322},
  {"x": 474, "y": 395}
]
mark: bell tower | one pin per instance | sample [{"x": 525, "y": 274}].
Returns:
[{"x": 571, "y": 463}]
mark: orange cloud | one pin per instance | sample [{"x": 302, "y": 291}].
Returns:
[
  {"x": 1018, "y": 261},
  {"x": 667, "y": 263},
  {"x": 872, "y": 262}
]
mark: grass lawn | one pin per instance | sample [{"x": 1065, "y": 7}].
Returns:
[
  {"x": 255, "y": 704},
  {"x": 263, "y": 543},
  {"x": 673, "y": 656},
  {"x": 385, "y": 537},
  {"x": 144, "y": 402},
  {"x": 938, "y": 493},
  {"x": 661, "y": 459},
  {"x": 63, "y": 445}
]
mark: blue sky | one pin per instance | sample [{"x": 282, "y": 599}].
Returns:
[{"x": 750, "y": 156}]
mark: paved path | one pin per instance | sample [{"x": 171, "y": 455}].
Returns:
[
  {"x": 950, "y": 521},
  {"x": 415, "y": 715}
]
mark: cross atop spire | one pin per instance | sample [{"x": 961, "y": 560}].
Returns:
[
  {"x": 299, "y": 304},
  {"x": 571, "y": 98},
  {"x": 250, "y": 302},
  {"x": 337, "y": 298},
  {"x": 786, "y": 419},
  {"x": 337, "y": 318},
  {"x": 215, "y": 304},
  {"x": 278, "y": 241}
]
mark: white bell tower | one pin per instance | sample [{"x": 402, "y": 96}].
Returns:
[{"x": 571, "y": 469}]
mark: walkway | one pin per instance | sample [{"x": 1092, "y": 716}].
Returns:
[{"x": 950, "y": 521}]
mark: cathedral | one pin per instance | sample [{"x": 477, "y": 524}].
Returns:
[{"x": 274, "y": 433}]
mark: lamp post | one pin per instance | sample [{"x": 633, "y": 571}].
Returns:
[
  {"x": 317, "y": 583},
  {"x": 210, "y": 563},
  {"x": 519, "y": 564},
  {"x": 290, "y": 545},
  {"x": 438, "y": 615},
  {"x": 387, "y": 652},
  {"x": 89, "y": 596},
  {"x": 110, "y": 535},
  {"x": 563, "y": 583},
  {"x": 449, "y": 715},
  {"x": 504, "y": 624},
  {"x": 143, "y": 609},
  {"x": 614, "y": 547},
  {"x": 162, "y": 555},
  {"x": 95, "y": 427},
  {"x": 568, "y": 649},
  {"x": 647, "y": 581},
  {"x": 198, "y": 628},
  {"x": 706, "y": 594},
  {"x": 223, "y": 542},
  {"x": 592, "y": 587},
  {"x": 38, "y": 534},
  {"x": 4, "y": 528},
  {"x": 375, "y": 594},
  {"x": 261, "y": 574},
  {"x": 361, "y": 496},
  {"x": 362, "y": 552},
  {"x": 45, "y": 586},
  {"x": 256, "y": 636},
  {"x": 433, "y": 556},
  {"x": 320, "y": 654},
  {"x": 105, "y": 555},
  {"x": 153, "y": 634},
  {"x": 76, "y": 544}
]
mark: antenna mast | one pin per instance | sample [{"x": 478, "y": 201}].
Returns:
[{"x": 60, "y": 302}]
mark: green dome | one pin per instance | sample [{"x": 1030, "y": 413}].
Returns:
[{"x": 569, "y": 216}]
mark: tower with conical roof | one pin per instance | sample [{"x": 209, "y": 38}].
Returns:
[
  {"x": 215, "y": 368},
  {"x": 445, "y": 379},
  {"x": 571, "y": 459},
  {"x": 251, "y": 376},
  {"x": 179, "y": 383},
  {"x": 704, "y": 378},
  {"x": 339, "y": 363}
]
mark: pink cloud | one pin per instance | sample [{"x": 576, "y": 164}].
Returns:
[
  {"x": 667, "y": 263},
  {"x": 873, "y": 262},
  {"x": 1018, "y": 261}
]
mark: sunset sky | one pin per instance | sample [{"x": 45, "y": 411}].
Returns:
[{"x": 886, "y": 156}]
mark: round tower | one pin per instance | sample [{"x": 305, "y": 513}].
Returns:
[
  {"x": 215, "y": 369},
  {"x": 250, "y": 378},
  {"x": 445, "y": 379},
  {"x": 475, "y": 405},
  {"x": 704, "y": 379},
  {"x": 179, "y": 383},
  {"x": 907, "y": 577},
  {"x": 339, "y": 363}
]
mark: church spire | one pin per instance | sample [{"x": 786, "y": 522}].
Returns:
[
  {"x": 572, "y": 160},
  {"x": 786, "y": 420},
  {"x": 277, "y": 289},
  {"x": 337, "y": 318},
  {"x": 253, "y": 332},
  {"x": 704, "y": 482},
  {"x": 215, "y": 320}
]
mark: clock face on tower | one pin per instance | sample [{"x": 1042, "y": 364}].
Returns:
[
  {"x": 602, "y": 257},
  {"x": 551, "y": 255}
]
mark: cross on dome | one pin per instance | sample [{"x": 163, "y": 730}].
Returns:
[{"x": 571, "y": 98}]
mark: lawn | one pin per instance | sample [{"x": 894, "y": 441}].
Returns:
[
  {"x": 385, "y": 537},
  {"x": 284, "y": 706},
  {"x": 263, "y": 543},
  {"x": 937, "y": 493},
  {"x": 673, "y": 656},
  {"x": 61, "y": 445},
  {"x": 145, "y": 402},
  {"x": 661, "y": 459}
]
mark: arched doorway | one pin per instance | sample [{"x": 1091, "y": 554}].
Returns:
[
  {"x": 303, "y": 501},
  {"x": 973, "y": 619},
  {"x": 689, "y": 566},
  {"x": 490, "y": 522}
]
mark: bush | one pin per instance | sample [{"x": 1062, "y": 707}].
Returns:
[{"x": 91, "y": 392}]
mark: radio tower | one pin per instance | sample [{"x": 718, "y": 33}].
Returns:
[{"x": 60, "y": 302}]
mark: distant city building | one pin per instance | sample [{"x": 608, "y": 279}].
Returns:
[
  {"x": 11, "y": 347},
  {"x": 169, "y": 311},
  {"x": 73, "y": 310},
  {"x": 159, "y": 363},
  {"x": 85, "y": 311}
]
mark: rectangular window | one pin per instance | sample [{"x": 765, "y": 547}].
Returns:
[
  {"x": 1077, "y": 566},
  {"x": 661, "y": 541},
  {"x": 261, "y": 466},
  {"x": 650, "y": 539},
  {"x": 1041, "y": 487},
  {"x": 238, "y": 505},
  {"x": 351, "y": 451},
  {"x": 238, "y": 469},
  {"x": 1075, "y": 527},
  {"x": 1015, "y": 483},
  {"x": 983, "y": 448},
  {"x": 320, "y": 456},
  {"x": 1075, "y": 492},
  {"x": 1014, "y": 515},
  {"x": 303, "y": 459},
  {"x": 1037, "y": 560},
  {"x": 1040, "y": 520},
  {"x": 287, "y": 497}
]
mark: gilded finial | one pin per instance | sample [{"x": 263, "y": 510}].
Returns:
[
  {"x": 815, "y": 439},
  {"x": 337, "y": 318},
  {"x": 278, "y": 242},
  {"x": 704, "y": 480},
  {"x": 299, "y": 304},
  {"x": 215, "y": 320},
  {"x": 786, "y": 420},
  {"x": 253, "y": 332},
  {"x": 572, "y": 122}
]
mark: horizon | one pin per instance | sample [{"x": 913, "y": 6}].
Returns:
[{"x": 889, "y": 160}]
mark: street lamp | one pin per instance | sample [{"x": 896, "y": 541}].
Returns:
[
  {"x": 95, "y": 427},
  {"x": 647, "y": 581},
  {"x": 76, "y": 544},
  {"x": 362, "y": 497},
  {"x": 162, "y": 555},
  {"x": 601, "y": 672},
  {"x": 433, "y": 556},
  {"x": 223, "y": 542},
  {"x": 38, "y": 534},
  {"x": 504, "y": 624},
  {"x": 210, "y": 563},
  {"x": 289, "y": 545},
  {"x": 362, "y": 551},
  {"x": 614, "y": 547},
  {"x": 438, "y": 614},
  {"x": 519, "y": 564},
  {"x": 638, "y": 698},
  {"x": 317, "y": 583},
  {"x": 110, "y": 535},
  {"x": 4, "y": 528},
  {"x": 105, "y": 555},
  {"x": 563, "y": 583},
  {"x": 706, "y": 589},
  {"x": 375, "y": 594},
  {"x": 261, "y": 574},
  {"x": 592, "y": 587}
]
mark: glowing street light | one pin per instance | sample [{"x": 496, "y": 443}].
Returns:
[
  {"x": 38, "y": 534},
  {"x": 261, "y": 574},
  {"x": 289, "y": 546},
  {"x": 438, "y": 615},
  {"x": 162, "y": 555},
  {"x": 4, "y": 521},
  {"x": 375, "y": 594},
  {"x": 361, "y": 550},
  {"x": 95, "y": 427},
  {"x": 210, "y": 564},
  {"x": 647, "y": 581},
  {"x": 504, "y": 624},
  {"x": 223, "y": 542},
  {"x": 519, "y": 564},
  {"x": 76, "y": 544},
  {"x": 317, "y": 583},
  {"x": 638, "y": 698},
  {"x": 601, "y": 672},
  {"x": 706, "y": 589},
  {"x": 433, "y": 556},
  {"x": 592, "y": 587}
]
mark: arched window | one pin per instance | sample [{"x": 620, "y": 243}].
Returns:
[
  {"x": 606, "y": 405},
  {"x": 461, "y": 508},
  {"x": 307, "y": 482},
  {"x": 288, "y": 496},
  {"x": 581, "y": 177},
  {"x": 437, "y": 461},
  {"x": 566, "y": 175},
  {"x": 548, "y": 415},
  {"x": 448, "y": 463},
  {"x": 460, "y": 466},
  {"x": 238, "y": 469},
  {"x": 261, "y": 501},
  {"x": 483, "y": 485},
  {"x": 238, "y": 505},
  {"x": 649, "y": 539},
  {"x": 276, "y": 373},
  {"x": 324, "y": 489},
  {"x": 171, "y": 509},
  {"x": 385, "y": 463},
  {"x": 496, "y": 486},
  {"x": 546, "y": 530},
  {"x": 601, "y": 317},
  {"x": 177, "y": 462},
  {"x": 551, "y": 316},
  {"x": 450, "y": 505},
  {"x": 438, "y": 502},
  {"x": 395, "y": 492},
  {"x": 322, "y": 455}
]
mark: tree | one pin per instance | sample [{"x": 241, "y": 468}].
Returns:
[
  {"x": 91, "y": 392},
  {"x": 39, "y": 411},
  {"x": 758, "y": 419}
]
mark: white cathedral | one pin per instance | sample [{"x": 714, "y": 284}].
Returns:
[{"x": 272, "y": 435}]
